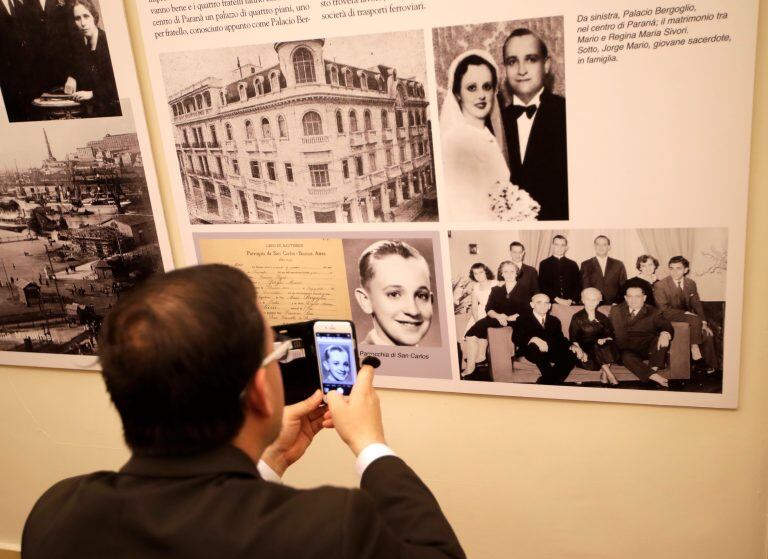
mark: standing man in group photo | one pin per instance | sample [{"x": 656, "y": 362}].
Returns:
[
  {"x": 534, "y": 125},
  {"x": 527, "y": 277},
  {"x": 559, "y": 276},
  {"x": 603, "y": 272}
]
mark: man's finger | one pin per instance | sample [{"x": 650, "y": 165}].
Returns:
[
  {"x": 306, "y": 406},
  {"x": 334, "y": 399},
  {"x": 364, "y": 381}
]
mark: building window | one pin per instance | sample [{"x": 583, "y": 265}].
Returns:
[
  {"x": 271, "y": 173},
  {"x": 345, "y": 168},
  {"x": 367, "y": 122},
  {"x": 235, "y": 167},
  {"x": 372, "y": 160},
  {"x": 298, "y": 215},
  {"x": 282, "y": 127},
  {"x": 258, "y": 87},
  {"x": 219, "y": 166},
  {"x": 319, "y": 176},
  {"x": 334, "y": 75},
  {"x": 339, "y": 123},
  {"x": 224, "y": 191},
  {"x": 399, "y": 119},
  {"x": 249, "y": 134},
  {"x": 352, "y": 121},
  {"x": 228, "y": 131},
  {"x": 303, "y": 66},
  {"x": 214, "y": 137},
  {"x": 255, "y": 170},
  {"x": 289, "y": 172},
  {"x": 402, "y": 152},
  {"x": 312, "y": 124},
  {"x": 266, "y": 129},
  {"x": 274, "y": 83},
  {"x": 241, "y": 92},
  {"x": 384, "y": 120},
  {"x": 363, "y": 81},
  {"x": 390, "y": 158},
  {"x": 359, "y": 166},
  {"x": 410, "y": 118},
  {"x": 262, "y": 198}
]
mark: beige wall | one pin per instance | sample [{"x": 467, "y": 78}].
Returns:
[{"x": 522, "y": 478}]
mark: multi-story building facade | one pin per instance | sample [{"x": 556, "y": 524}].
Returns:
[{"x": 307, "y": 140}]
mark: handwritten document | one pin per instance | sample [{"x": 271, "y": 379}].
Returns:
[{"x": 296, "y": 279}]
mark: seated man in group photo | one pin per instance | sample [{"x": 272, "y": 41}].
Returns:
[{"x": 678, "y": 298}]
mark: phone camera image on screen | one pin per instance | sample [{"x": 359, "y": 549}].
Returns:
[{"x": 336, "y": 357}]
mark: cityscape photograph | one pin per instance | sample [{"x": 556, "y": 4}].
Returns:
[
  {"x": 313, "y": 131},
  {"x": 76, "y": 231}
]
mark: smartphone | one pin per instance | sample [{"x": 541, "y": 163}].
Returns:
[{"x": 336, "y": 355}]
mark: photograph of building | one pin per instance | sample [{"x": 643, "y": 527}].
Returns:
[
  {"x": 314, "y": 131},
  {"x": 76, "y": 231}
]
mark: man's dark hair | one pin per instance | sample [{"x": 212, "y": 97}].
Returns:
[
  {"x": 556, "y": 237},
  {"x": 522, "y": 32},
  {"x": 176, "y": 353},
  {"x": 602, "y": 237},
  {"x": 516, "y": 244},
  {"x": 681, "y": 260}
]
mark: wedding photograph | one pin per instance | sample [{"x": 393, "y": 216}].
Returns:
[
  {"x": 501, "y": 95},
  {"x": 633, "y": 308},
  {"x": 330, "y": 130},
  {"x": 55, "y": 61}
]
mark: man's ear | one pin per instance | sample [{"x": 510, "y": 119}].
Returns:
[
  {"x": 363, "y": 300},
  {"x": 548, "y": 65},
  {"x": 257, "y": 394}
]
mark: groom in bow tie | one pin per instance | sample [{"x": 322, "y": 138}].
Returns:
[{"x": 535, "y": 125}]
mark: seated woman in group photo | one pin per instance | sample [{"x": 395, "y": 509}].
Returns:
[
  {"x": 592, "y": 331},
  {"x": 505, "y": 303},
  {"x": 91, "y": 80}
]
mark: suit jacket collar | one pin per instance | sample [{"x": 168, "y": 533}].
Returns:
[{"x": 223, "y": 459}]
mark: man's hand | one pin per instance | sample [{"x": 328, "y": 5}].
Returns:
[
  {"x": 512, "y": 317},
  {"x": 301, "y": 422},
  {"x": 602, "y": 341},
  {"x": 580, "y": 355},
  {"x": 541, "y": 344},
  {"x": 357, "y": 419},
  {"x": 82, "y": 95},
  {"x": 566, "y": 302},
  {"x": 501, "y": 319},
  {"x": 70, "y": 86},
  {"x": 706, "y": 329},
  {"x": 664, "y": 339}
]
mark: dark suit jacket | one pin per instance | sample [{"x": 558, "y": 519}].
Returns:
[
  {"x": 635, "y": 334},
  {"x": 528, "y": 280},
  {"x": 11, "y": 75},
  {"x": 527, "y": 326},
  {"x": 50, "y": 33},
  {"x": 216, "y": 505},
  {"x": 560, "y": 278},
  {"x": 669, "y": 298},
  {"x": 544, "y": 173},
  {"x": 608, "y": 284}
]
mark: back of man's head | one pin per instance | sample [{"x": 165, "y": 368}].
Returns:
[{"x": 176, "y": 352}]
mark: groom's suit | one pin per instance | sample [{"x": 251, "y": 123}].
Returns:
[{"x": 544, "y": 172}]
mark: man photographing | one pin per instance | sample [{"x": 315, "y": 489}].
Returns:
[{"x": 189, "y": 363}]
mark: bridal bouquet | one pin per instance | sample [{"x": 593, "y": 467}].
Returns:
[{"x": 512, "y": 203}]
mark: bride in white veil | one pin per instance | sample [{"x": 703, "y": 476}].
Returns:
[{"x": 476, "y": 185}]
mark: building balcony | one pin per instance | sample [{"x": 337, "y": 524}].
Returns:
[
  {"x": 421, "y": 160},
  {"x": 199, "y": 145},
  {"x": 185, "y": 145},
  {"x": 213, "y": 145},
  {"x": 219, "y": 176},
  {"x": 199, "y": 113},
  {"x": 250, "y": 146},
  {"x": 424, "y": 129},
  {"x": 393, "y": 171},
  {"x": 267, "y": 145},
  {"x": 402, "y": 133},
  {"x": 256, "y": 184},
  {"x": 363, "y": 183},
  {"x": 234, "y": 179},
  {"x": 204, "y": 173},
  {"x": 356, "y": 139},
  {"x": 406, "y": 166},
  {"x": 371, "y": 136},
  {"x": 387, "y": 135},
  {"x": 315, "y": 143},
  {"x": 324, "y": 194},
  {"x": 230, "y": 145},
  {"x": 378, "y": 177}
]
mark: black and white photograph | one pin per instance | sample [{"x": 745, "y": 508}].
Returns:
[
  {"x": 336, "y": 363},
  {"x": 631, "y": 308},
  {"x": 76, "y": 231},
  {"x": 316, "y": 131},
  {"x": 393, "y": 291},
  {"x": 501, "y": 92},
  {"x": 55, "y": 61}
]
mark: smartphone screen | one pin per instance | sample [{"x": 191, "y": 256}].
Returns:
[{"x": 336, "y": 360}]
